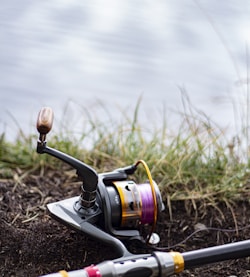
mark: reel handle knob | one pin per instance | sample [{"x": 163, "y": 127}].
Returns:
[{"x": 44, "y": 122}]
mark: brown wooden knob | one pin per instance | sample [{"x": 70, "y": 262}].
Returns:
[{"x": 45, "y": 120}]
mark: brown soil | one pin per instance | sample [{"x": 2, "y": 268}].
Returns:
[{"x": 32, "y": 244}]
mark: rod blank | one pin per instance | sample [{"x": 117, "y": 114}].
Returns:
[{"x": 216, "y": 254}]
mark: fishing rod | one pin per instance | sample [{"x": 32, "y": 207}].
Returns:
[
  {"x": 161, "y": 263},
  {"x": 113, "y": 209}
]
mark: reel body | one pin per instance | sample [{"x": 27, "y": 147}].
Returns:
[
  {"x": 123, "y": 210},
  {"x": 111, "y": 207}
]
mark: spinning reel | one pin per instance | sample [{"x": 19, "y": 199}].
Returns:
[{"x": 111, "y": 208}]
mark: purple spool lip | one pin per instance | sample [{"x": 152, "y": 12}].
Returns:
[{"x": 147, "y": 202}]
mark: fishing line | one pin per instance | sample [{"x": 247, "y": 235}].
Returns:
[
  {"x": 198, "y": 231},
  {"x": 155, "y": 209}
]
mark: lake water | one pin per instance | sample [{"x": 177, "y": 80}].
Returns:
[{"x": 59, "y": 51}]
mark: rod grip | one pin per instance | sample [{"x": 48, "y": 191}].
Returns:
[{"x": 45, "y": 120}]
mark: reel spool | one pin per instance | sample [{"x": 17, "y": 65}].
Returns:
[{"x": 135, "y": 205}]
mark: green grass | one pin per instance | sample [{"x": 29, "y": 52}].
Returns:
[{"x": 194, "y": 163}]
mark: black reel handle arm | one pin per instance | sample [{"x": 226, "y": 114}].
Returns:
[{"x": 85, "y": 172}]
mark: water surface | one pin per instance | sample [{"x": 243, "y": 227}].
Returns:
[{"x": 53, "y": 52}]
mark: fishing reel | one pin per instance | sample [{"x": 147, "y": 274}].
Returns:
[{"x": 110, "y": 208}]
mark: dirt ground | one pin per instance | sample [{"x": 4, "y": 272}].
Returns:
[{"x": 32, "y": 244}]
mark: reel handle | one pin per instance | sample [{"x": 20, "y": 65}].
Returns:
[
  {"x": 87, "y": 174},
  {"x": 44, "y": 122}
]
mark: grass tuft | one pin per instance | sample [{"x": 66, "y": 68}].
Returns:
[{"x": 196, "y": 163}]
